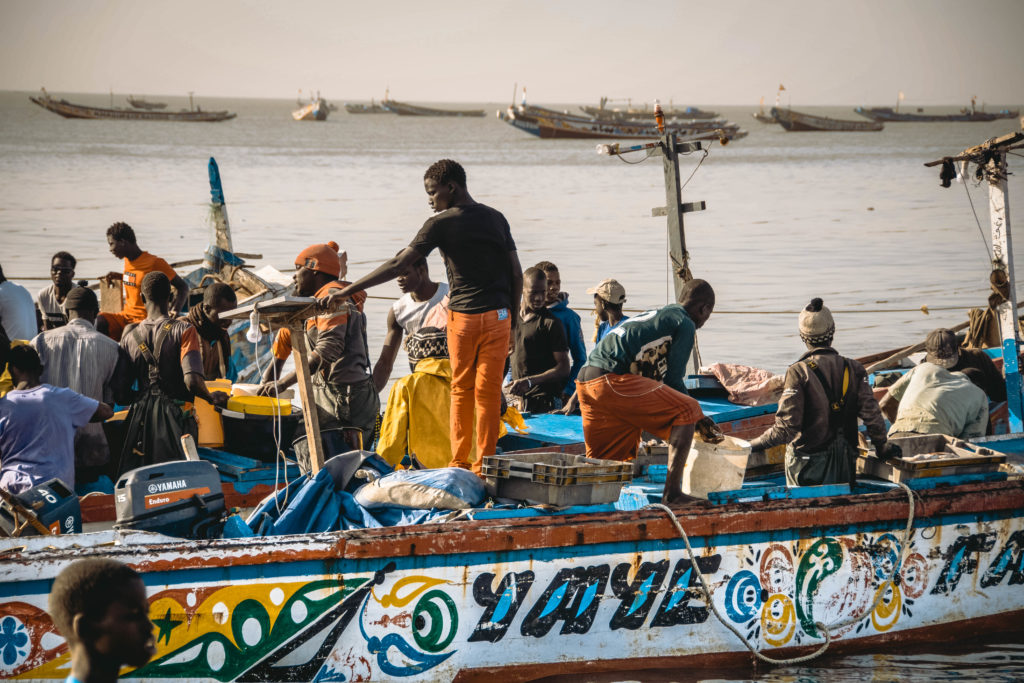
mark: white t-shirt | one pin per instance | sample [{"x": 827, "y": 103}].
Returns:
[
  {"x": 411, "y": 314},
  {"x": 17, "y": 311}
]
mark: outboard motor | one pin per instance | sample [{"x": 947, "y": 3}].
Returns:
[{"x": 183, "y": 498}]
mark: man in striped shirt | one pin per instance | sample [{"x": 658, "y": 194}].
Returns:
[{"x": 90, "y": 363}]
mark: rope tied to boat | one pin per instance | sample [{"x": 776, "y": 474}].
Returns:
[{"x": 706, "y": 593}]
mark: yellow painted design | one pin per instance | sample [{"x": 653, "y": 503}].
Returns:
[
  {"x": 778, "y": 620},
  {"x": 395, "y": 599},
  {"x": 201, "y": 620},
  {"x": 57, "y": 668},
  {"x": 887, "y": 613}
]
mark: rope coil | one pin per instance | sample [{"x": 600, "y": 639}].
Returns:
[{"x": 706, "y": 593}]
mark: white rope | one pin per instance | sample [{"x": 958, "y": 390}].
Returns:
[{"x": 826, "y": 630}]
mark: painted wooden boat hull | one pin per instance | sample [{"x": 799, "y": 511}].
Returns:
[
  {"x": 888, "y": 114},
  {"x": 405, "y": 109},
  {"x": 797, "y": 121},
  {"x": 575, "y": 127},
  {"x": 81, "y": 111},
  {"x": 515, "y": 599}
]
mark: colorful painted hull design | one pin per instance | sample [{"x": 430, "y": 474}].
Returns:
[
  {"x": 515, "y": 599},
  {"x": 314, "y": 111}
]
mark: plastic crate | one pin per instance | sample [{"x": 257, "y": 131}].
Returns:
[{"x": 558, "y": 479}]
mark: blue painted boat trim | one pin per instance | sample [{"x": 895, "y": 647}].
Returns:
[{"x": 299, "y": 569}]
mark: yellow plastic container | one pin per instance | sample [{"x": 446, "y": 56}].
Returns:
[
  {"x": 259, "y": 405},
  {"x": 211, "y": 428}
]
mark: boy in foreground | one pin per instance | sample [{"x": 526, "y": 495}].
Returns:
[{"x": 100, "y": 607}]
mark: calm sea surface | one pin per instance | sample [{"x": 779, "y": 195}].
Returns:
[{"x": 854, "y": 218}]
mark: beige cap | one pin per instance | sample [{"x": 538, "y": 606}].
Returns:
[{"x": 610, "y": 290}]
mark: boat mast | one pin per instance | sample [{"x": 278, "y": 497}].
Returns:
[
  {"x": 990, "y": 157},
  {"x": 670, "y": 148}
]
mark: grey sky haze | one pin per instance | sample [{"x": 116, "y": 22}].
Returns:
[{"x": 708, "y": 52}]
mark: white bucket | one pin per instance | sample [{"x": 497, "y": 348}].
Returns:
[{"x": 715, "y": 466}]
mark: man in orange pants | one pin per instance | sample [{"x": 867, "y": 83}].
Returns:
[
  {"x": 485, "y": 285},
  {"x": 633, "y": 381}
]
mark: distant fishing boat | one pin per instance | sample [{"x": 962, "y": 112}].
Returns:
[
  {"x": 646, "y": 113},
  {"x": 547, "y": 123},
  {"x": 404, "y": 109},
  {"x": 371, "y": 108},
  {"x": 81, "y": 111},
  {"x": 763, "y": 116},
  {"x": 798, "y": 121},
  {"x": 317, "y": 110},
  {"x": 890, "y": 114},
  {"x": 140, "y": 103}
]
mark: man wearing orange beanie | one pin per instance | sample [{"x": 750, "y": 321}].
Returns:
[{"x": 338, "y": 360}]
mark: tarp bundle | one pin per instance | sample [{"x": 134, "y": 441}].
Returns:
[{"x": 326, "y": 503}]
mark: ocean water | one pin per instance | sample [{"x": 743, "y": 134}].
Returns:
[{"x": 854, "y": 218}]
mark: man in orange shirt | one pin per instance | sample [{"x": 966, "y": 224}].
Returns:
[
  {"x": 339, "y": 362},
  {"x": 137, "y": 264}
]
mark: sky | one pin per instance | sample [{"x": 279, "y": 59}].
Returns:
[{"x": 724, "y": 52}]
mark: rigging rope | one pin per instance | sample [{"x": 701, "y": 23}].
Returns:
[{"x": 706, "y": 593}]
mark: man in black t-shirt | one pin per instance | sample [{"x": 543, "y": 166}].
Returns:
[
  {"x": 485, "y": 281},
  {"x": 540, "y": 358}
]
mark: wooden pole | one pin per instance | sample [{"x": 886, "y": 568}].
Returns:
[
  {"x": 1002, "y": 259},
  {"x": 309, "y": 414}
]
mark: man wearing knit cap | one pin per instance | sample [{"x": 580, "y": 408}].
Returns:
[
  {"x": 339, "y": 363},
  {"x": 935, "y": 399},
  {"x": 824, "y": 395}
]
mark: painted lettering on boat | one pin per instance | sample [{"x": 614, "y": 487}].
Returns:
[{"x": 427, "y": 623}]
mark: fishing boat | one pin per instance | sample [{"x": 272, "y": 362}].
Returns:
[
  {"x": 371, "y": 108},
  {"x": 763, "y": 116},
  {"x": 140, "y": 103},
  {"x": 81, "y": 111},
  {"x": 797, "y": 121},
  {"x": 890, "y": 114},
  {"x": 646, "y": 112},
  {"x": 516, "y": 594},
  {"x": 405, "y": 109},
  {"x": 317, "y": 110},
  {"x": 545, "y": 123}
]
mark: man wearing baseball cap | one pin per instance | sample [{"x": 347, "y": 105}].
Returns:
[
  {"x": 339, "y": 363},
  {"x": 935, "y": 399},
  {"x": 609, "y": 296}
]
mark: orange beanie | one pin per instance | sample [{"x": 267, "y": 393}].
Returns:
[{"x": 321, "y": 257}]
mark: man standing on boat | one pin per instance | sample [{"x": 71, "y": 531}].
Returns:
[
  {"x": 137, "y": 265},
  {"x": 824, "y": 395},
  {"x": 633, "y": 382},
  {"x": 486, "y": 282},
  {"x": 339, "y": 362}
]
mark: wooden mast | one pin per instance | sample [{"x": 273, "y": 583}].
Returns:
[{"x": 991, "y": 160}]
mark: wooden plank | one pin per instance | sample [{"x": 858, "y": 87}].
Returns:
[{"x": 309, "y": 412}]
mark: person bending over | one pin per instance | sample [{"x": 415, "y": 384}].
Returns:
[{"x": 633, "y": 382}]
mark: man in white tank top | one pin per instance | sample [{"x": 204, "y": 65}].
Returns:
[{"x": 424, "y": 303}]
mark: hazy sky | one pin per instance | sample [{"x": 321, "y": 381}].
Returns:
[{"x": 703, "y": 52}]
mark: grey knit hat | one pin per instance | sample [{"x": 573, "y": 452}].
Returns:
[{"x": 816, "y": 324}]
